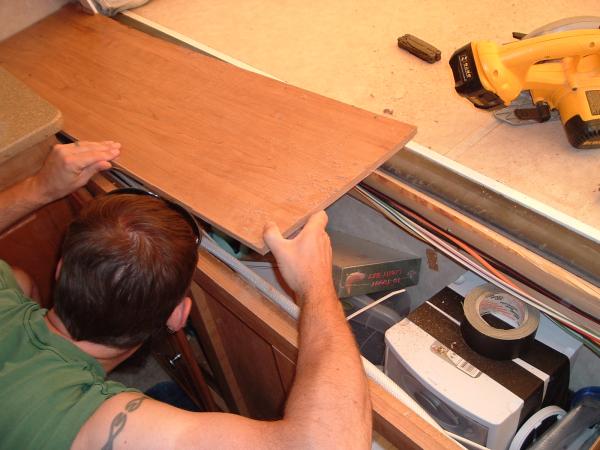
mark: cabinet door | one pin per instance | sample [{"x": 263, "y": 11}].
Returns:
[
  {"x": 183, "y": 368},
  {"x": 247, "y": 361}
]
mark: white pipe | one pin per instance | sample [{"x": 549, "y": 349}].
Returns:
[{"x": 273, "y": 294}]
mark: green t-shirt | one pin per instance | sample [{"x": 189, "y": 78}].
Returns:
[{"x": 48, "y": 386}]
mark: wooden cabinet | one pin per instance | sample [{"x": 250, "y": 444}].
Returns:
[
  {"x": 256, "y": 371},
  {"x": 33, "y": 243},
  {"x": 253, "y": 364},
  {"x": 171, "y": 355}
]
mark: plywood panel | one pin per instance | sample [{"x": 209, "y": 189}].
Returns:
[
  {"x": 237, "y": 148},
  {"x": 347, "y": 51},
  {"x": 14, "y": 16}
]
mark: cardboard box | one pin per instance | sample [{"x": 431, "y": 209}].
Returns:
[{"x": 362, "y": 267}]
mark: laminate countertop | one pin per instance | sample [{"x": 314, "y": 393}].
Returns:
[{"x": 25, "y": 118}]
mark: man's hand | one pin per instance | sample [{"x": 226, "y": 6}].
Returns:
[
  {"x": 305, "y": 260},
  {"x": 69, "y": 167}
]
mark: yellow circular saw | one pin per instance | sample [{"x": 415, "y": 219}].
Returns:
[{"x": 559, "y": 64}]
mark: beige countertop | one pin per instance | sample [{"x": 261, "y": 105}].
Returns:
[
  {"x": 347, "y": 51},
  {"x": 25, "y": 118}
]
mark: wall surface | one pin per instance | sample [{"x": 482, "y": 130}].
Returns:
[{"x": 18, "y": 14}]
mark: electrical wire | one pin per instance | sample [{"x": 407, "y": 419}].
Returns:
[
  {"x": 485, "y": 260},
  {"x": 486, "y": 274},
  {"x": 375, "y": 303},
  {"x": 480, "y": 269},
  {"x": 589, "y": 341}
]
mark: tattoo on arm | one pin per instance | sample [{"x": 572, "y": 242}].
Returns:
[{"x": 118, "y": 422}]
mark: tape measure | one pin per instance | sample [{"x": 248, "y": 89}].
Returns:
[{"x": 489, "y": 301}]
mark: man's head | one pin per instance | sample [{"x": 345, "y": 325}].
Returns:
[{"x": 127, "y": 263}]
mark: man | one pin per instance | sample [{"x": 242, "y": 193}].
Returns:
[{"x": 118, "y": 257}]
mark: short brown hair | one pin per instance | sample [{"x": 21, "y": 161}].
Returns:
[{"x": 128, "y": 260}]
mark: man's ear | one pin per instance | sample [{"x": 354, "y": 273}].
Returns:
[
  {"x": 58, "y": 267},
  {"x": 179, "y": 316}
]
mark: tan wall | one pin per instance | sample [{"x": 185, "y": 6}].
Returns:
[{"x": 18, "y": 14}]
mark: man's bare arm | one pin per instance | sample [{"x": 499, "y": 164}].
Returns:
[
  {"x": 132, "y": 421},
  {"x": 67, "y": 168},
  {"x": 328, "y": 406},
  {"x": 330, "y": 397}
]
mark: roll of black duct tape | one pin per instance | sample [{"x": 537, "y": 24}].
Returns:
[{"x": 516, "y": 322}]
